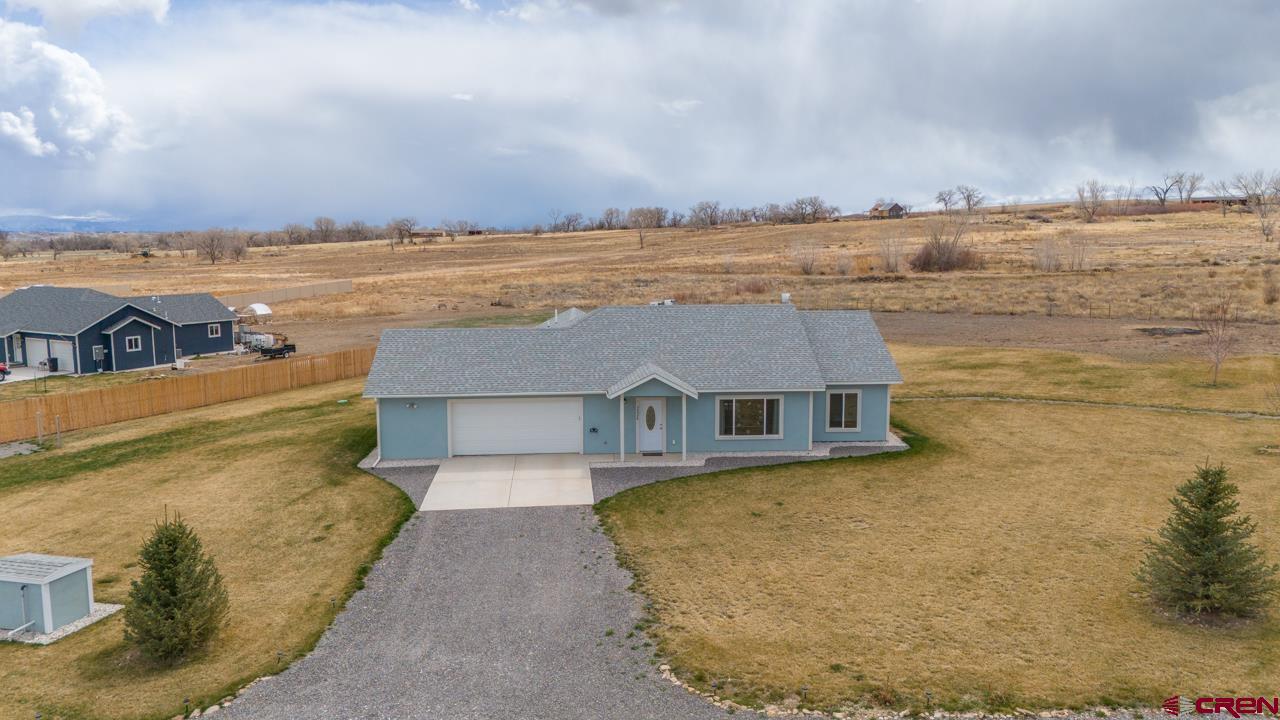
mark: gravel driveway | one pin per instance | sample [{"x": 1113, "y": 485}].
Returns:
[{"x": 485, "y": 614}]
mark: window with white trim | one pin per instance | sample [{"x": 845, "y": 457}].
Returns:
[
  {"x": 749, "y": 417},
  {"x": 844, "y": 411},
  {"x": 133, "y": 343},
  {"x": 215, "y": 330}
]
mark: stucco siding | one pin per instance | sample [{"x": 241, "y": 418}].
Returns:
[
  {"x": 69, "y": 598},
  {"x": 194, "y": 339},
  {"x": 874, "y": 421},
  {"x": 413, "y": 428}
]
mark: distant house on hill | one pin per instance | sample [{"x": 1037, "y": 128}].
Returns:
[{"x": 886, "y": 211}]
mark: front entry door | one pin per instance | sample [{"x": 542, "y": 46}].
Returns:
[{"x": 651, "y": 426}]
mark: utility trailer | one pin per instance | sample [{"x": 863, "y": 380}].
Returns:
[{"x": 279, "y": 351}]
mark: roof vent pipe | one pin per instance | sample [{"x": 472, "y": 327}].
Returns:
[{"x": 786, "y": 298}]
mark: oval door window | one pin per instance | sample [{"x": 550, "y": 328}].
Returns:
[{"x": 650, "y": 418}]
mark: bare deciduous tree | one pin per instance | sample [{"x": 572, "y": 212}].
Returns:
[
  {"x": 1162, "y": 189},
  {"x": 295, "y": 233},
  {"x": 211, "y": 245},
  {"x": 946, "y": 198},
  {"x": 944, "y": 248},
  {"x": 705, "y": 214},
  {"x": 1090, "y": 197},
  {"x": 1190, "y": 185},
  {"x": 1273, "y": 398},
  {"x": 612, "y": 218},
  {"x": 970, "y": 196},
  {"x": 1216, "y": 322},
  {"x": 646, "y": 217},
  {"x": 805, "y": 256},
  {"x": 1224, "y": 194},
  {"x": 1122, "y": 196},
  {"x": 891, "y": 254},
  {"x": 454, "y": 228},
  {"x": 7, "y": 249},
  {"x": 1261, "y": 193},
  {"x": 401, "y": 229},
  {"x": 572, "y": 222},
  {"x": 1047, "y": 258},
  {"x": 237, "y": 249},
  {"x": 554, "y": 214},
  {"x": 324, "y": 230},
  {"x": 357, "y": 231}
]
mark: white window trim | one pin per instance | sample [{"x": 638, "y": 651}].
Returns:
[
  {"x": 827, "y": 415},
  {"x": 215, "y": 330},
  {"x": 781, "y": 414},
  {"x": 128, "y": 342}
]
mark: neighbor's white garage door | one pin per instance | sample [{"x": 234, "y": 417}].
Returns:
[
  {"x": 515, "y": 426},
  {"x": 38, "y": 352},
  {"x": 65, "y": 351}
]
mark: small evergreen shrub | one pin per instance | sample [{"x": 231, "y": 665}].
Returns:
[
  {"x": 1203, "y": 563},
  {"x": 179, "y": 603}
]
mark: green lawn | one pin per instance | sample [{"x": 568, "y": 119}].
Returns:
[{"x": 270, "y": 486}]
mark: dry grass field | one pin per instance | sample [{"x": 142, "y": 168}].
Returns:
[
  {"x": 1139, "y": 267},
  {"x": 271, "y": 487},
  {"x": 1002, "y": 577}
]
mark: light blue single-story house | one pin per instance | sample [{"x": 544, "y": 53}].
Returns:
[
  {"x": 653, "y": 380},
  {"x": 82, "y": 331}
]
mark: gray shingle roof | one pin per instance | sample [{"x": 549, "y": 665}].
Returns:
[
  {"x": 564, "y": 319},
  {"x": 711, "y": 347},
  {"x": 185, "y": 309},
  {"x": 38, "y": 569},
  {"x": 43, "y": 308},
  {"x": 848, "y": 347},
  {"x": 66, "y": 311}
]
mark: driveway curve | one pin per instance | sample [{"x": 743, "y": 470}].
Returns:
[{"x": 483, "y": 614}]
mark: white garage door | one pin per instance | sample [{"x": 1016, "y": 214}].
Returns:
[
  {"x": 515, "y": 426},
  {"x": 38, "y": 352},
  {"x": 66, "y": 354}
]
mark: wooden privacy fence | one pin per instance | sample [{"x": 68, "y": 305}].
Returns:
[
  {"x": 37, "y": 416},
  {"x": 330, "y": 287}
]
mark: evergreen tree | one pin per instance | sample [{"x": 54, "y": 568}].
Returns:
[
  {"x": 179, "y": 603},
  {"x": 1203, "y": 562}
]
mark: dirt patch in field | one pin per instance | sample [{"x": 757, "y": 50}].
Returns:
[{"x": 1116, "y": 338}]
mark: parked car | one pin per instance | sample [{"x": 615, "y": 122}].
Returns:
[{"x": 4, "y": 371}]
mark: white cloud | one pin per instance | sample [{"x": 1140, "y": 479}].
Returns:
[
  {"x": 50, "y": 92},
  {"x": 21, "y": 128},
  {"x": 468, "y": 5},
  {"x": 73, "y": 14},
  {"x": 678, "y": 108},
  {"x": 259, "y": 113}
]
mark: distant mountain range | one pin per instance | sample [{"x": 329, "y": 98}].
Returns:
[{"x": 46, "y": 224}]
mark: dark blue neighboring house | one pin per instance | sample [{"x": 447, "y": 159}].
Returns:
[{"x": 82, "y": 331}]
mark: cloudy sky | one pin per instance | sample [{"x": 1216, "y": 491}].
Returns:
[{"x": 188, "y": 113}]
